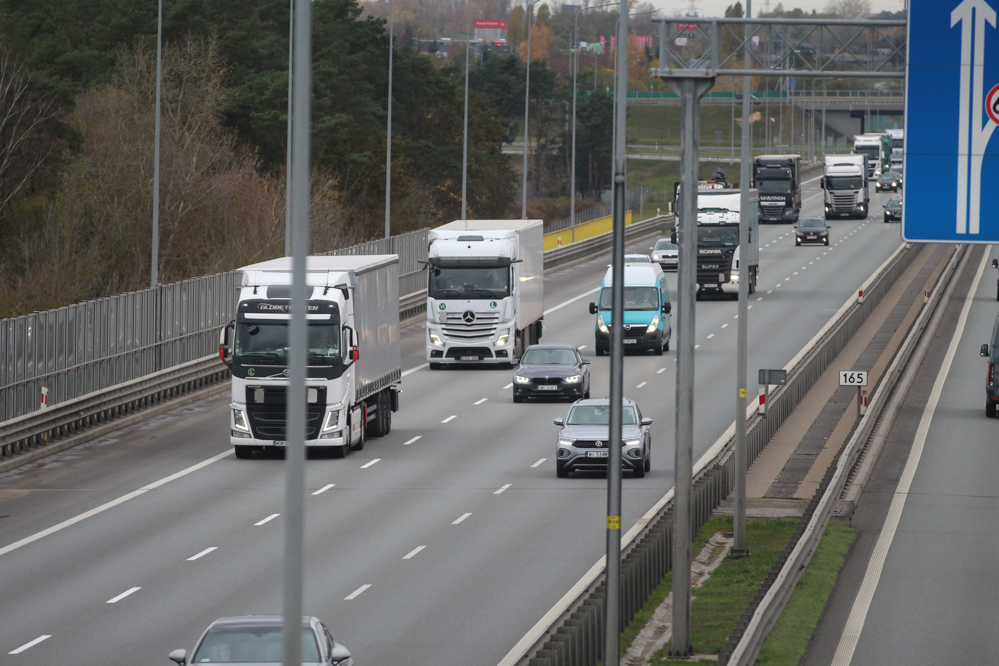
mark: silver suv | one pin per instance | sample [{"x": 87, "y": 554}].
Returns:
[{"x": 581, "y": 445}]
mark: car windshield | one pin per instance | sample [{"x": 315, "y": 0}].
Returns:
[
  {"x": 599, "y": 415},
  {"x": 718, "y": 236},
  {"x": 774, "y": 186},
  {"x": 810, "y": 223},
  {"x": 635, "y": 298},
  {"x": 469, "y": 282},
  {"x": 844, "y": 182},
  {"x": 895, "y": 203},
  {"x": 250, "y": 644},
  {"x": 888, "y": 177},
  {"x": 268, "y": 343},
  {"x": 549, "y": 357},
  {"x": 665, "y": 245},
  {"x": 636, "y": 258}
]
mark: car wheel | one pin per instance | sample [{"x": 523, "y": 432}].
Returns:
[
  {"x": 825, "y": 241},
  {"x": 659, "y": 348},
  {"x": 561, "y": 472},
  {"x": 517, "y": 398},
  {"x": 435, "y": 366},
  {"x": 648, "y": 462},
  {"x": 666, "y": 346},
  {"x": 586, "y": 396},
  {"x": 886, "y": 219},
  {"x": 243, "y": 451},
  {"x": 990, "y": 409},
  {"x": 638, "y": 472}
]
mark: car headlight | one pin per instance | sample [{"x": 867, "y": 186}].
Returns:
[
  {"x": 436, "y": 339},
  {"x": 566, "y": 442},
  {"x": 654, "y": 325},
  {"x": 521, "y": 380},
  {"x": 502, "y": 340},
  {"x": 239, "y": 420},
  {"x": 575, "y": 379},
  {"x": 332, "y": 418},
  {"x": 600, "y": 324},
  {"x": 632, "y": 442},
  {"x": 655, "y": 257}
]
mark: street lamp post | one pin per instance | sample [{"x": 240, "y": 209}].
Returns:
[
  {"x": 625, "y": 87},
  {"x": 388, "y": 145},
  {"x": 464, "y": 155},
  {"x": 154, "y": 271},
  {"x": 527, "y": 95},
  {"x": 287, "y": 168},
  {"x": 575, "y": 70}
]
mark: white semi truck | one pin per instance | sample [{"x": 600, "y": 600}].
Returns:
[
  {"x": 870, "y": 146},
  {"x": 845, "y": 186},
  {"x": 897, "y": 148},
  {"x": 353, "y": 361},
  {"x": 485, "y": 291},
  {"x": 719, "y": 252}
]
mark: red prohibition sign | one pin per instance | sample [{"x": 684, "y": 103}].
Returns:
[{"x": 992, "y": 104}]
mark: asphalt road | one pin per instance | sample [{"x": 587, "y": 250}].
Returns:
[
  {"x": 919, "y": 584},
  {"x": 442, "y": 543}
]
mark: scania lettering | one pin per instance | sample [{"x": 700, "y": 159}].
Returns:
[
  {"x": 845, "y": 185},
  {"x": 778, "y": 180},
  {"x": 485, "y": 291},
  {"x": 353, "y": 360}
]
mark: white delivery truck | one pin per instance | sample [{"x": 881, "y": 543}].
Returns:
[
  {"x": 485, "y": 290},
  {"x": 719, "y": 252},
  {"x": 870, "y": 146},
  {"x": 354, "y": 362},
  {"x": 897, "y": 148},
  {"x": 845, "y": 185}
]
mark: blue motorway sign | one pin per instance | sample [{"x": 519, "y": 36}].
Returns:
[{"x": 951, "y": 169}]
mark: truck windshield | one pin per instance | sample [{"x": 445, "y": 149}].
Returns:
[
  {"x": 718, "y": 236},
  {"x": 774, "y": 186},
  {"x": 872, "y": 152},
  {"x": 635, "y": 298},
  {"x": 268, "y": 343},
  {"x": 844, "y": 182},
  {"x": 897, "y": 143},
  {"x": 469, "y": 282}
]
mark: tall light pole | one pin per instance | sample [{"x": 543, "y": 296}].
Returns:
[
  {"x": 154, "y": 270},
  {"x": 388, "y": 147},
  {"x": 625, "y": 87},
  {"x": 575, "y": 70},
  {"x": 527, "y": 95},
  {"x": 287, "y": 168},
  {"x": 464, "y": 155}
]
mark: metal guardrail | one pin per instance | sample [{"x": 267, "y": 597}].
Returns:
[
  {"x": 571, "y": 634},
  {"x": 793, "y": 561}
]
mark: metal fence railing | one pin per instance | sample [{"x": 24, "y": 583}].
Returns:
[{"x": 633, "y": 201}]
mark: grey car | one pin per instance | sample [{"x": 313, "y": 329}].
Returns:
[
  {"x": 257, "y": 639},
  {"x": 582, "y": 443},
  {"x": 666, "y": 253}
]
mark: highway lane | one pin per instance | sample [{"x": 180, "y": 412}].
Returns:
[
  {"x": 934, "y": 599},
  {"x": 476, "y": 586}
]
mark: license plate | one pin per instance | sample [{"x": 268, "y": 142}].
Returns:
[
  {"x": 278, "y": 442},
  {"x": 548, "y": 387},
  {"x": 596, "y": 454},
  {"x": 630, "y": 342},
  {"x": 710, "y": 286},
  {"x": 470, "y": 358},
  {"x": 811, "y": 237}
]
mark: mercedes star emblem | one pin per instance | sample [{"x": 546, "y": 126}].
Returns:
[{"x": 468, "y": 316}]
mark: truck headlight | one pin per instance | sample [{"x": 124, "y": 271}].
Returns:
[
  {"x": 632, "y": 442},
  {"x": 502, "y": 339},
  {"x": 600, "y": 324},
  {"x": 734, "y": 277},
  {"x": 521, "y": 380},
  {"x": 435, "y": 339},
  {"x": 239, "y": 420},
  {"x": 575, "y": 379},
  {"x": 654, "y": 325},
  {"x": 332, "y": 418}
]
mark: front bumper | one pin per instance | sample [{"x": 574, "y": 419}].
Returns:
[
  {"x": 560, "y": 390},
  {"x": 785, "y": 215},
  {"x": 669, "y": 263},
  {"x": 892, "y": 216},
  {"x": 885, "y": 188},
  {"x": 816, "y": 238},
  {"x": 643, "y": 341},
  {"x": 571, "y": 459}
]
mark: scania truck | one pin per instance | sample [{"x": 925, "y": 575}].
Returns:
[
  {"x": 845, "y": 186},
  {"x": 354, "y": 363},
  {"x": 485, "y": 291},
  {"x": 718, "y": 250},
  {"x": 778, "y": 180}
]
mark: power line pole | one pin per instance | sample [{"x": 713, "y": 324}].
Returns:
[{"x": 388, "y": 145}]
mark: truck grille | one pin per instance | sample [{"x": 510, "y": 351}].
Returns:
[
  {"x": 457, "y": 352},
  {"x": 481, "y": 327},
  {"x": 268, "y": 421},
  {"x": 845, "y": 203}
]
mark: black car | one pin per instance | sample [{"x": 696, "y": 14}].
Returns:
[
  {"x": 811, "y": 230},
  {"x": 888, "y": 181},
  {"x": 991, "y": 389},
  {"x": 551, "y": 371},
  {"x": 893, "y": 210},
  {"x": 582, "y": 443},
  {"x": 258, "y": 639}
]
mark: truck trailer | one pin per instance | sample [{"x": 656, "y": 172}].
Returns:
[
  {"x": 485, "y": 291},
  {"x": 354, "y": 362},
  {"x": 778, "y": 180},
  {"x": 845, "y": 186}
]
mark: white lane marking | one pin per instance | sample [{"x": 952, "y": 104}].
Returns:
[
  {"x": 508, "y": 386},
  {"x": 725, "y": 325},
  {"x": 461, "y": 518},
  {"x": 124, "y": 594},
  {"x": 480, "y": 401},
  {"x": 696, "y": 346},
  {"x": 772, "y": 291},
  {"x": 641, "y": 385},
  {"x": 202, "y": 553},
  {"x": 267, "y": 519},
  {"x": 660, "y": 371},
  {"x": 30, "y": 644},
  {"x": 760, "y": 298},
  {"x": 539, "y": 463},
  {"x": 410, "y": 554},
  {"x": 406, "y": 373},
  {"x": 412, "y": 440},
  {"x": 113, "y": 503},
  {"x": 502, "y": 488},
  {"x": 326, "y": 487},
  {"x": 356, "y": 593},
  {"x": 711, "y": 336},
  {"x": 367, "y": 465},
  {"x": 810, "y": 263},
  {"x": 571, "y": 300},
  {"x": 862, "y": 603},
  {"x": 453, "y": 416},
  {"x": 776, "y": 285}
]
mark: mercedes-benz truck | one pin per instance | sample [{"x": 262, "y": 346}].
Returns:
[
  {"x": 353, "y": 359},
  {"x": 897, "y": 148},
  {"x": 485, "y": 291},
  {"x": 778, "y": 180},
  {"x": 718, "y": 250},
  {"x": 845, "y": 186},
  {"x": 871, "y": 146}
]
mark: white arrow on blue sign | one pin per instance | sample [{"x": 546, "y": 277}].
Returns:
[{"x": 952, "y": 73}]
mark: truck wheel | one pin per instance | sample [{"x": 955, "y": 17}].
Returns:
[
  {"x": 338, "y": 451},
  {"x": 387, "y": 413},
  {"x": 361, "y": 439},
  {"x": 990, "y": 409},
  {"x": 243, "y": 451}
]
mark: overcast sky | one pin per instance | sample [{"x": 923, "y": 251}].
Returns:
[{"x": 710, "y": 8}]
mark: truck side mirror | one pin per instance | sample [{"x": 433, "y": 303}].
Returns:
[
  {"x": 593, "y": 308},
  {"x": 225, "y": 343},
  {"x": 667, "y": 307},
  {"x": 669, "y": 207},
  {"x": 822, "y": 182},
  {"x": 995, "y": 263},
  {"x": 985, "y": 350},
  {"x": 672, "y": 237}
]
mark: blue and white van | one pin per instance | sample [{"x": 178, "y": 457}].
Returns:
[{"x": 647, "y": 320}]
